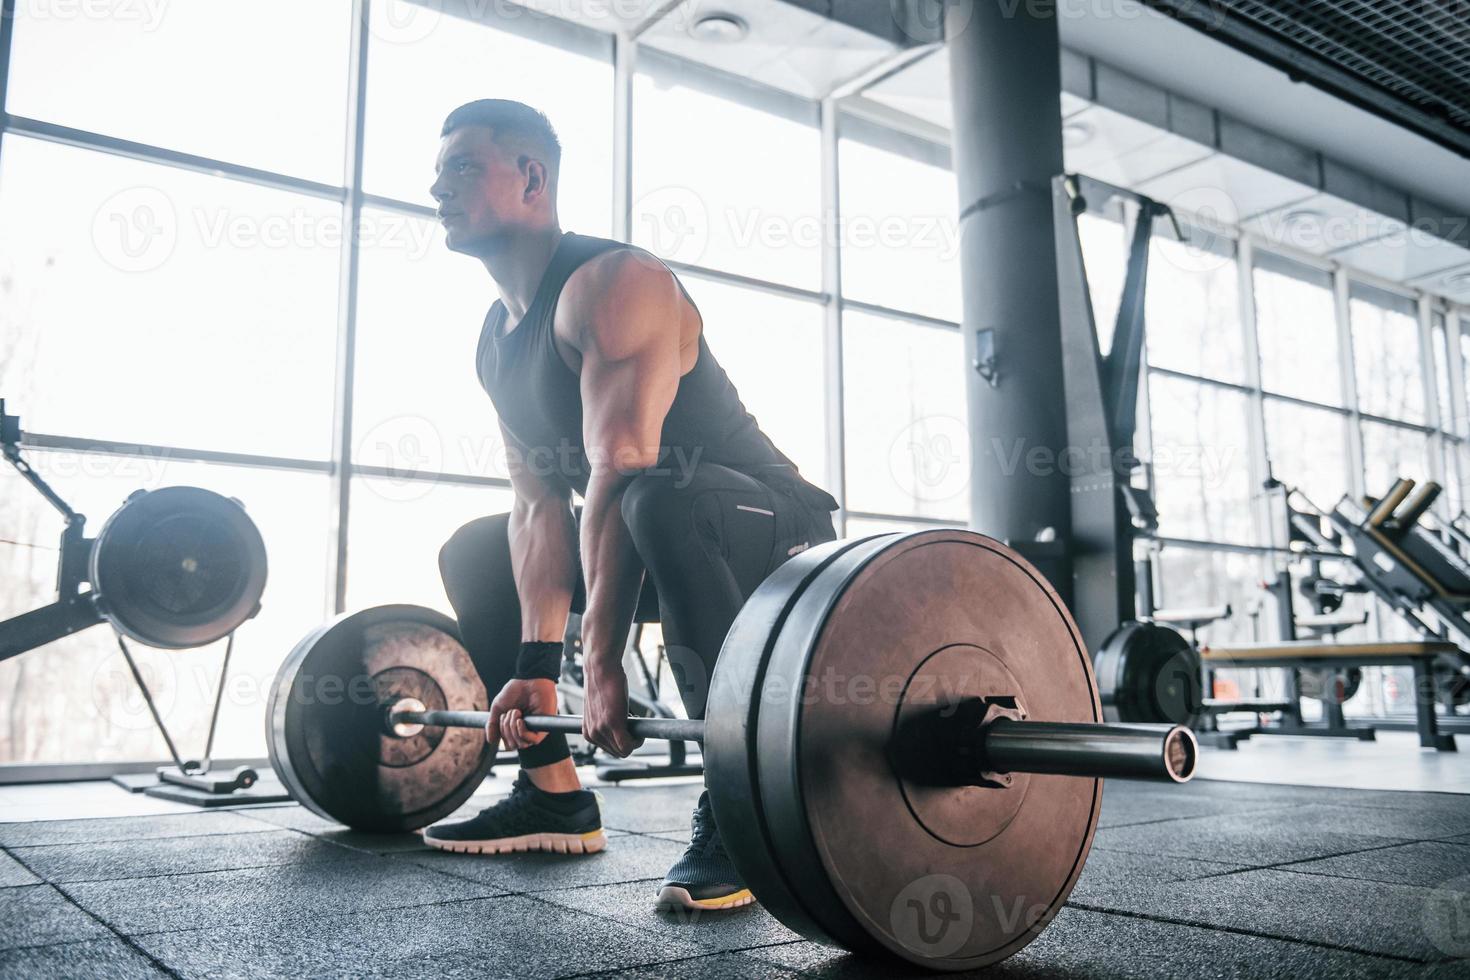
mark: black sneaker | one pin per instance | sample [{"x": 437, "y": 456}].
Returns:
[
  {"x": 528, "y": 819},
  {"x": 704, "y": 878}
]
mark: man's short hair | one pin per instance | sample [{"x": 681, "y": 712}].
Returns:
[{"x": 514, "y": 124}]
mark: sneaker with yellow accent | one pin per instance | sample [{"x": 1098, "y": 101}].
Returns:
[
  {"x": 704, "y": 878},
  {"x": 529, "y": 819}
]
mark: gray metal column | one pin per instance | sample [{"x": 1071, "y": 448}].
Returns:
[{"x": 1005, "y": 79}]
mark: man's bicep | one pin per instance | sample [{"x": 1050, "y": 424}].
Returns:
[{"x": 630, "y": 367}]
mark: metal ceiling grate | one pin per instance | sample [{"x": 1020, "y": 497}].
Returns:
[{"x": 1413, "y": 52}]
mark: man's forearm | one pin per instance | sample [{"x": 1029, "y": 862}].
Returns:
[
  {"x": 611, "y": 568},
  {"x": 543, "y": 551}
]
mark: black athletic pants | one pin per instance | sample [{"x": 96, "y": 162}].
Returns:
[{"x": 706, "y": 540}]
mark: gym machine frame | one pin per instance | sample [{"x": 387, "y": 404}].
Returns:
[{"x": 110, "y": 599}]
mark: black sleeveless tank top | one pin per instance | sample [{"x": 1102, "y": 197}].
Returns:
[{"x": 539, "y": 398}]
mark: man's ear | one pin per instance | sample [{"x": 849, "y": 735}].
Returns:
[{"x": 535, "y": 178}]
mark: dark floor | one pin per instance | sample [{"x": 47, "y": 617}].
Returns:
[{"x": 1213, "y": 879}]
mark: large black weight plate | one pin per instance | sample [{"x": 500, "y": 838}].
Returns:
[
  {"x": 737, "y": 692},
  {"x": 1149, "y": 674},
  {"x": 951, "y": 878},
  {"x": 178, "y": 567},
  {"x": 325, "y": 720}
]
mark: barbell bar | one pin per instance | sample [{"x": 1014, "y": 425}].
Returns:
[{"x": 1151, "y": 752}]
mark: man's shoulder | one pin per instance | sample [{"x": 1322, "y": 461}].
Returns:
[
  {"x": 618, "y": 278},
  {"x": 618, "y": 266}
]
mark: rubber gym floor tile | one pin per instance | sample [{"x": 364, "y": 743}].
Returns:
[
  {"x": 496, "y": 937},
  {"x": 717, "y": 931},
  {"x": 1278, "y": 793},
  {"x": 1361, "y": 916},
  {"x": 38, "y": 915},
  {"x": 1097, "y": 945},
  {"x": 1281, "y": 794},
  {"x": 293, "y": 817},
  {"x": 302, "y": 819},
  {"x": 148, "y": 857},
  {"x": 261, "y": 896},
  {"x": 1428, "y": 864},
  {"x": 13, "y": 873},
  {"x": 1414, "y": 824},
  {"x": 649, "y": 808},
  {"x": 1131, "y": 803},
  {"x": 1109, "y": 872},
  {"x": 680, "y": 836},
  {"x": 719, "y": 966},
  {"x": 126, "y": 828},
  {"x": 626, "y": 858},
  {"x": 1257, "y": 839},
  {"x": 98, "y": 959}
]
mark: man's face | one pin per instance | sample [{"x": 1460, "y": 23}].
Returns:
[{"x": 481, "y": 192}]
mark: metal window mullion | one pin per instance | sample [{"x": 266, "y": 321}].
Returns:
[
  {"x": 889, "y": 312},
  {"x": 836, "y": 428},
  {"x": 1454, "y": 323},
  {"x": 7, "y": 36},
  {"x": 625, "y": 61},
  {"x": 47, "y": 442},
  {"x": 1430, "y": 382},
  {"x": 163, "y": 156},
  {"x": 1454, "y": 363},
  {"x": 1347, "y": 371},
  {"x": 1259, "y": 461},
  {"x": 745, "y": 282},
  {"x": 346, "y": 360}
]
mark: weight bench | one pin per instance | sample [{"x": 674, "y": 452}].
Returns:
[{"x": 1418, "y": 655}]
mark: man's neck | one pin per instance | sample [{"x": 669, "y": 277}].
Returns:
[{"x": 518, "y": 266}]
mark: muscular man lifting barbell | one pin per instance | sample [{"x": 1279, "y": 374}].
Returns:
[
  {"x": 595, "y": 359},
  {"x": 897, "y": 725}
]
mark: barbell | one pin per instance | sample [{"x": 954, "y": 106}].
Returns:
[{"x": 903, "y": 742}]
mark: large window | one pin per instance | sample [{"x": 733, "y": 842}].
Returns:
[
  {"x": 725, "y": 185},
  {"x": 771, "y": 347},
  {"x": 1192, "y": 309},
  {"x": 1296, "y": 331},
  {"x": 908, "y": 447},
  {"x": 398, "y": 526},
  {"x": 1200, "y": 460},
  {"x": 188, "y": 322},
  {"x": 422, "y": 63},
  {"x": 418, "y": 404},
  {"x": 1391, "y": 452},
  {"x": 900, "y": 231},
  {"x": 1197, "y": 578},
  {"x": 1308, "y": 450},
  {"x": 262, "y": 84},
  {"x": 1387, "y": 355},
  {"x": 149, "y": 304}
]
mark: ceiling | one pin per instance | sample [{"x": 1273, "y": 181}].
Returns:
[
  {"x": 785, "y": 46},
  {"x": 1408, "y": 60},
  {"x": 811, "y": 48}
]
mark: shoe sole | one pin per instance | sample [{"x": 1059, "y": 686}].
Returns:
[
  {"x": 671, "y": 896},
  {"x": 589, "y": 843}
]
